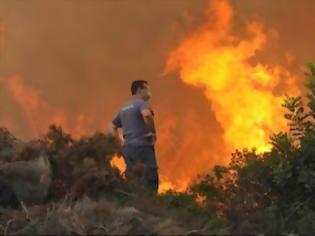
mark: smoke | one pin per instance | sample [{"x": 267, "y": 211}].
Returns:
[{"x": 76, "y": 59}]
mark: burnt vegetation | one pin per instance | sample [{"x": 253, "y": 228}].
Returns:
[{"x": 62, "y": 185}]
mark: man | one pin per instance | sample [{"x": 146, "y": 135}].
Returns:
[{"x": 136, "y": 118}]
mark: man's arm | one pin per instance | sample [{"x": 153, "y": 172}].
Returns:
[{"x": 149, "y": 121}]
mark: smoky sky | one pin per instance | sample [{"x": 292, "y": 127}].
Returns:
[
  {"x": 81, "y": 52},
  {"x": 81, "y": 56}
]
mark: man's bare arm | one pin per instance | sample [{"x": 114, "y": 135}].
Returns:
[{"x": 149, "y": 121}]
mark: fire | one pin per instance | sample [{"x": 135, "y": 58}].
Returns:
[
  {"x": 119, "y": 163},
  {"x": 40, "y": 114},
  {"x": 245, "y": 97},
  {"x": 164, "y": 185},
  {"x": 242, "y": 94},
  {"x": 32, "y": 105}
]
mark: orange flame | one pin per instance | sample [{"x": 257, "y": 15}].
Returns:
[
  {"x": 164, "y": 185},
  {"x": 119, "y": 163},
  {"x": 33, "y": 106},
  {"x": 243, "y": 96},
  {"x": 39, "y": 113}
]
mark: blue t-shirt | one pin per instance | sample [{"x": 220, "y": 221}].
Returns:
[{"x": 131, "y": 121}]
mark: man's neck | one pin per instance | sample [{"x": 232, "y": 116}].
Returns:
[{"x": 137, "y": 97}]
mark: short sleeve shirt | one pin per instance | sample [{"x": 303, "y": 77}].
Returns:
[{"x": 131, "y": 120}]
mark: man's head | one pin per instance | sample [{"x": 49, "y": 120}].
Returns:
[{"x": 141, "y": 89}]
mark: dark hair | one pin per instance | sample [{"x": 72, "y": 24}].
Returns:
[{"x": 136, "y": 85}]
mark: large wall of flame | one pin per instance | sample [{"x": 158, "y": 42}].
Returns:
[{"x": 71, "y": 62}]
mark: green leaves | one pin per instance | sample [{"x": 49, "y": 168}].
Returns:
[
  {"x": 296, "y": 116},
  {"x": 282, "y": 144}
]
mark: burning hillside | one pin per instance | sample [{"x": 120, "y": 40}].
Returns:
[
  {"x": 61, "y": 185},
  {"x": 219, "y": 71},
  {"x": 74, "y": 70}
]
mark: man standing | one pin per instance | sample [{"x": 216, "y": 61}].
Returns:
[{"x": 136, "y": 118}]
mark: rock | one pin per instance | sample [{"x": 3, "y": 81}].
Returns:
[
  {"x": 29, "y": 180},
  {"x": 8, "y": 198}
]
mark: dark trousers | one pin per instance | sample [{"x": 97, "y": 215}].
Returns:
[{"x": 134, "y": 154}]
